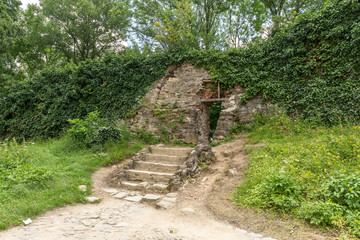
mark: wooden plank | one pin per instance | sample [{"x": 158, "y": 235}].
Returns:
[{"x": 218, "y": 89}]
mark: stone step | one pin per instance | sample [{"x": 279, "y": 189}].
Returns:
[
  {"x": 134, "y": 186},
  {"x": 156, "y": 167},
  {"x": 165, "y": 159},
  {"x": 172, "y": 151},
  {"x": 157, "y": 188},
  {"x": 144, "y": 187},
  {"x": 147, "y": 176}
]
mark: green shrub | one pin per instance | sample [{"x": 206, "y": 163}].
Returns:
[
  {"x": 147, "y": 137},
  {"x": 239, "y": 128},
  {"x": 92, "y": 131},
  {"x": 353, "y": 219},
  {"x": 321, "y": 213},
  {"x": 321, "y": 163},
  {"x": 310, "y": 68},
  {"x": 343, "y": 190},
  {"x": 281, "y": 191}
]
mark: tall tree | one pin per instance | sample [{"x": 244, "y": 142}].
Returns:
[
  {"x": 209, "y": 15},
  {"x": 179, "y": 18},
  {"x": 177, "y": 27},
  {"x": 281, "y": 11},
  {"x": 85, "y": 29},
  {"x": 243, "y": 21},
  {"x": 149, "y": 15},
  {"x": 9, "y": 31},
  {"x": 36, "y": 46}
]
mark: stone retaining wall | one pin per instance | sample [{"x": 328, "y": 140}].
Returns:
[{"x": 175, "y": 106}]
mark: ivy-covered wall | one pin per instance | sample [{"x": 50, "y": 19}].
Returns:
[{"x": 311, "y": 69}]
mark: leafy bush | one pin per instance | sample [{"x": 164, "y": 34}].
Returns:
[
  {"x": 147, "y": 137},
  {"x": 321, "y": 163},
  {"x": 92, "y": 131},
  {"x": 281, "y": 191},
  {"x": 321, "y": 213},
  {"x": 239, "y": 128},
  {"x": 41, "y": 105},
  {"x": 343, "y": 190},
  {"x": 310, "y": 68},
  {"x": 353, "y": 219}
]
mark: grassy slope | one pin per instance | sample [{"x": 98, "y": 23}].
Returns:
[
  {"x": 69, "y": 167},
  {"x": 298, "y": 159}
]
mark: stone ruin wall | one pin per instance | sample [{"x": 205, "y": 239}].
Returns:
[
  {"x": 233, "y": 112},
  {"x": 175, "y": 106}
]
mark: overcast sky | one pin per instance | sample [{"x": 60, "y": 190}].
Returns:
[{"x": 26, "y": 2}]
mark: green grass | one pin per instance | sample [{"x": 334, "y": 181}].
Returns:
[
  {"x": 309, "y": 171},
  {"x": 56, "y": 168}
]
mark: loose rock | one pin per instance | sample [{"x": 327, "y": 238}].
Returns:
[
  {"x": 151, "y": 198},
  {"x": 86, "y": 223},
  {"x": 111, "y": 190},
  {"x": 172, "y": 195},
  {"x": 225, "y": 153},
  {"x": 134, "y": 198},
  {"x": 166, "y": 203},
  {"x": 92, "y": 199},
  {"x": 232, "y": 172},
  {"x": 82, "y": 188},
  {"x": 120, "y": 195}
]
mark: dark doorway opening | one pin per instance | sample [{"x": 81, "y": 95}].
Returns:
[{"x": 214, "y": 114}]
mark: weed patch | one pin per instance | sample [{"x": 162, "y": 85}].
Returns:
[
  {"x": 309, "y": 171},
  {"x": 36, "y": 177}
]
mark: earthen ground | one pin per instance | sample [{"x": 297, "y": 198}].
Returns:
[{"x": 216, "y": 216}]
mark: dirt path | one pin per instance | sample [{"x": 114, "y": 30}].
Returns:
[
  {"x": 191, "y": 218},
  {"x": 232, "y": 162}
]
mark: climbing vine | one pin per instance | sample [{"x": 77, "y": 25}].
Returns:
[{"x": 311, "y": 68}]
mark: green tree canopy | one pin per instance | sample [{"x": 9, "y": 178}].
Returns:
[
  {"x": 85, "y": 29},
  {"x": 9, "y": 30}
]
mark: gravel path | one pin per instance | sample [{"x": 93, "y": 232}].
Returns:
[{"x": 119, "y": 219}]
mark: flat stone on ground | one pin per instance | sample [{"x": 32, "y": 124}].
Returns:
[
  {"x": 120, "y": 195},
  {"x": 151, "y": 197},
  {"x": 166, "y": 203},
  {"x": 86, "y": 223},
  {"x": 92, "y": 199},
  {"x": 134, "y": 198},
  {"x": 82, "y": 188},
  {"x": 172, "y": 195},
  {"x": 110, "y": 190}
]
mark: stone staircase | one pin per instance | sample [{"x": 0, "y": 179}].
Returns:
[{"x": 151, "y": 170}]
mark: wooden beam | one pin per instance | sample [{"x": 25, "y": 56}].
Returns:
[{"x": 218, "y": 89}]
